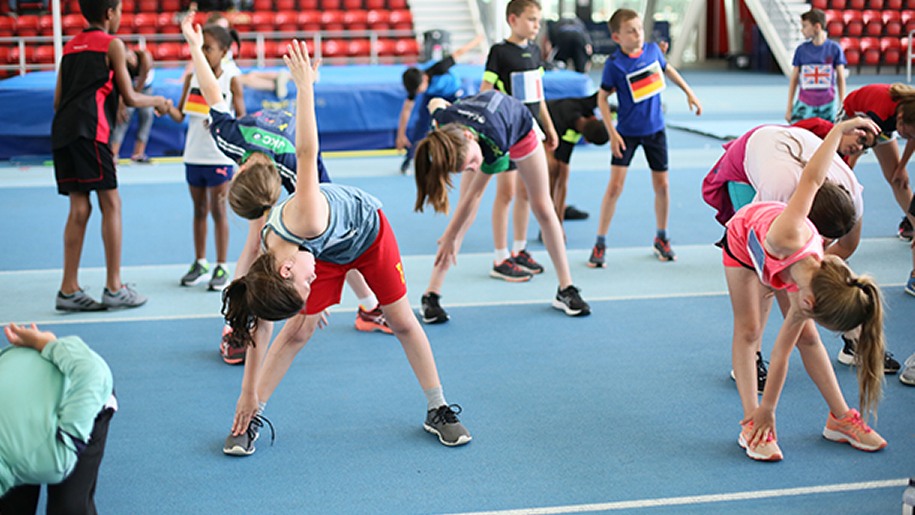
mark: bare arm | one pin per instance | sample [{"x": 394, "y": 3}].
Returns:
[
  {"x": 552, "y": 139},
  {"x": 840, "y": 83},
  {"x": 118, "y": 63},
  {"x": 486, "y": 86},
  {"x": 144, "y": 65},
  {"x": 468, "y": 47},
  {"x": 177, "y": 113},
  {"x": 792, "y": 89},
  {"x": 617, "y": 145},
  {"x": 209, "y": 86},
  {"x": 845, "y": 246},
  {"x": 401, "y": 141},
  {"x": 238, "y": 96},
  {"x": 691, "y": 98},
  {"x": 437, "y": 103}
]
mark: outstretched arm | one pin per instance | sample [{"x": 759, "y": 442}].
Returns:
[
  {"x": 209, "y": 86},
  {"x": 691, "y": 98},
  {"x": 468, "y": 47}
]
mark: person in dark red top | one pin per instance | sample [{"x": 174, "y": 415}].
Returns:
[{"x": 93, "y": 73}]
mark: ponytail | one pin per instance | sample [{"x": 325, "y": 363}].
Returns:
[
  {"x": 441, "y": 152},
  {"x": 260, "y": 294},
  {"x": 843, "y": 301},
  {"x": 904, "y": 96}
]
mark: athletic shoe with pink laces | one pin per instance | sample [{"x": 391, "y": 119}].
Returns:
[
  {"x": 369, "y": 321},
  {"x": 766, "y": 451},
  {"x": 230, "y": 355},
  {"x": 853, "y": 430}
]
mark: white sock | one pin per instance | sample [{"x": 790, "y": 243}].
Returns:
[
  {"x": 368, "y": 303},
  {"x": 435, "y": 397},
  {"x": 202, "y": 262},
  {"x": 502, "y": 255},
  {"x": 518, "y": 246}
]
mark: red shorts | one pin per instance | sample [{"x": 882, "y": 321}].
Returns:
[
  {"x": 524, "y": 147},
  {"x": 380, "y": 265}
]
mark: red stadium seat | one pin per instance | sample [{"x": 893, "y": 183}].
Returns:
[
  {"x": 309, "y": 21},
  {"x": 145, "y": 23},
  {"x": 249, "y": 50},
  {"x": 126, "y": 26},
  {"x": 820, "y": 4},
  {"x": 873, "y": 23},
  {"x": 375, "y": 4},
  {"x": 908, "y": 21},
  {"x": 331, "y": 5},
  {"x": 855, "y": 4},
  {"x": 378, "y": 19},
  {"x": 148, "y": 6},
  {"x": 27, "y": 25},
  {"x": 285, "y": 21},
  {"x": 14, "y": 54},
  {"x": 307, "y": 5},
  {"x": 852, "y": 49},
  {"x": 262, "y": 21},
  {"x": 7, "y": 26},
  {"x": 892, "y": 23},
  {"x": 75, "y": 23},
  {"x": 892, "y": 50},
  {"x": 45, "y": 24},
  {"x": 5, "y": 54},
  {"x": 837, "y": 4},
  {"x": 171, "y": 6},
  {"x": 285, "y": 5},
  {"x": 385, "y": 47},
  {"x": 72, "y": 7},
  {"x": 170, "y": 51},
  {"x": 352, "y": 4},
  {"x": 333, "y": 48},
  {"x": 870, "y": 51},
  {"x": 401, "y": 20},
  {"x": 406, "y": 46},
  {"x": 872, "y": 4},
  {"x": 854, "y": 23},
  {"x": 359, "y": 47},
  {"x": 835, "y": 26},
  {"x": 397, "y": 4},
  {"x": 127, "y": 6},
  {"x": 910, "y": 5},
  {"x": 44, "y": 54},
  {"x": 241, "y": 21},
  {"x": 167, "y": 24},
  {"x": 893, "y": 4},
  {"x": 332, "y": 20},
  {"x": 263, "y": 5},
  {"x": 355, "y": 20}
]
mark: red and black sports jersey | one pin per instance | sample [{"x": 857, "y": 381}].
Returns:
[{"x": 88, "y": 95}]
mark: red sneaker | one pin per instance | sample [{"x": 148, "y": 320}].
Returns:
[
  {"x": 230, "y": 354},
  {"x": 370, "y": 321}
]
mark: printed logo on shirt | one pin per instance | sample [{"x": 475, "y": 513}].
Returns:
[
  {"x": 195, "y": 104},
  {"x": 272, "y": 142},
  {"x": 816, "y": 76},
  {"x": 527, "y": 86},
  {"x": 757, "y": 253},
  {"x": 646, "y": 83}
]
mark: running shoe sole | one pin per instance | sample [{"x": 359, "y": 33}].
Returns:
[
  {"x": 569, "y": 311},
  {"x": 840, "y": 437},
  {"x": 204, "y": 277},
  {"x": 371, "y": 327},
  {"x": 755, "y": 455},
  {"x": 845, "y": 359},
  {"x": 463, "y": 439},
  {"x": 662, "y": 257},
  {"x": 497, "y": 275},
  {"x": 910, "y": 291},
  {"x": 597, "y": 265},
  {"x": 432, "y": 321}
]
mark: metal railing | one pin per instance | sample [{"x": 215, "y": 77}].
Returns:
[{"x": 260, "y": 40}]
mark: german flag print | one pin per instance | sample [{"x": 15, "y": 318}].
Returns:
[
  {"x": 195, "y": 103},
  {"x": 647, "y": 82}
]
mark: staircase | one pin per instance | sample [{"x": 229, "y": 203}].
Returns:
[
  {"x": 780, "y": 23},
  {"x": 459, "y": 17}
]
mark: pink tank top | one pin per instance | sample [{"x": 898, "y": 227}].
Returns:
[{"x": 746, "y": 233}]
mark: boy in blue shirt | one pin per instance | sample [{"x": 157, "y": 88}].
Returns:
[
  {"x": 636, "y": 71},
  {"x": 819, "y": 69}
]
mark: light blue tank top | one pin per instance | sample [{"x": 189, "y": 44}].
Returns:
[{"x": 351, "y": 230}]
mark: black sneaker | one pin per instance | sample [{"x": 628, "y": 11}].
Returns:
[
  {"x": 762, "y": 371},
  {"x": 509, "y": 271},
  {"x": 597, "y": 256},
  {"x": 526, "y": 262},
  {"x": 77, "y": 301},
  {"x": 243, "y": 444},
  {"x": 663, "y": 251},
  {"x": 569, "y": 300},
  {"x": 573, "y": 213},
  {"x": 432, "y": 312},
  {"x": 443, "y": 422},
  {"x": 905, "y": 229},
  {"x": 847, "y": 357},
  {"x": 195, "y": 274},
  {"x": 405, "y": 165}
]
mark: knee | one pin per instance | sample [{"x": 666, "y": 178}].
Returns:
[
  {"x": 80, "y": 214},
  {"x": 614, "y": 190},
  {"x": 749, "y": 335},
  {"x": 200, "y": 210}
]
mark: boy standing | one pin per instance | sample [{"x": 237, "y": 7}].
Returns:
[
  {"x": 636, "y": 71},
  {"x": 819, "y": 67},
  {"x": 514, "y": 67},
  {"x": 93, "y": 72},
  {"x": 438, "y": 80}
]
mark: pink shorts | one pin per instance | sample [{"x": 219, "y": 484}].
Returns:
[
  {"x": 524, "y": 147},
  {"x": 380, "y": 265}
]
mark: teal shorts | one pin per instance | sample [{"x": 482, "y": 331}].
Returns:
[
  {"x": 740, "y": 193},
  {"x": 802, "y": 111}
]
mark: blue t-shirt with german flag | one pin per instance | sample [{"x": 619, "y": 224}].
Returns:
[
  {"x": 498, "y": 120},
  {"x": 270, "y": 131},
  {"x": 638, "y": 81}
]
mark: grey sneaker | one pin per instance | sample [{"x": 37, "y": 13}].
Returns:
[
  {"x": 443, "y": 422},
  {"x": 907, "y": 376},
  {"x": 126, "y": 297},
  {"x": 195, "y": 274},
  {"x": 219, "y": 279},
  {"x": 243, "y": 444},
  {"x": 78, "y": 301}
]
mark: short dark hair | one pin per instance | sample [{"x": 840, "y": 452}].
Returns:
[
  {"x": 619, "y": 17},
  {"x": 412, "y": 78},
  {"x": 94, "y": 10},
  {"x": 517, "y": 7},
  {"x": 814, "y": 16},
  {"x": 595, "y": 132}
]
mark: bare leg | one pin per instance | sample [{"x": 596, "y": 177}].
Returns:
[
  {"x": 888, "y": 157},
  {"x": 109, "y": 202},
  {"x": 660, "y": 183},
  {"x": 522, "y": 211},
  {"x": 414, "y": 341},
  {"x": 217, "y": 199},
  {"x": 199, "y": 198},
  {"x": 611, "y": 196},
  {"x": 74, "y": 236},
  {"x": 505, "y": 192},
  {"x": 751, "y": 303}
]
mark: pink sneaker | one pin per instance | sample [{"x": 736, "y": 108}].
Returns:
[
  {"x": 230, "y": 355},
  {"x": 766, "y": 451},
  {"x": 852, "y": 430}
]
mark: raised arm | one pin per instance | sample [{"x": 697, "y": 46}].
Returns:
[
  {"x": 468, "y": 47},
  {"x": 209, "y": 86}
]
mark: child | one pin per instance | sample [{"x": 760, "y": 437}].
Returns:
[
  {"x": 478, "y": 137},
  {"x": 773, "y": 246},
  {"x": 438, "y": 80},
  {"x": 93, "y": 72},
  {"x": 819, "y": 67},
  {"x": 309, "y": 242},
  {"x": 515, "y": 68},
  {"x": 140, "y": 67},
  {"x": 573, "y": 119},
  {"x": 851, "y": 148},
  {"x": 892, "y": 107},
  {"x": 635, "y": 72},
  {"x": 57, "y": 402},
  {"x": 207, "y": 169}
]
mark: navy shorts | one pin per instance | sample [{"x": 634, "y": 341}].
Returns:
[
  {"x": 655, "y": 150},
  {"x": 208, "y": 176},
  {"x": 84, "y": 165}
]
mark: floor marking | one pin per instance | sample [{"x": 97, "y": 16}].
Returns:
[{"x": 700, "y": 499}]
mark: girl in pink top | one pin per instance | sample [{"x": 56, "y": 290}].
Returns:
[{"x": 773, "y": 246}]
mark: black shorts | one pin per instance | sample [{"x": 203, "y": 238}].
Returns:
[
  {"x": 563, "y": 152},
  {"x": 84, "y": 165},
  {"x": 655, "y": 150},
  {"x": 912, "y": 206}
]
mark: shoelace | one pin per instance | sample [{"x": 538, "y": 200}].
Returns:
[
  {"x": 598, "y": 252},
  {"x": 258, "y": 420},
  {"x": 447, "y": 414},
  {"x": 512, "y": 267},
  {"x": 856, "y": 422}
]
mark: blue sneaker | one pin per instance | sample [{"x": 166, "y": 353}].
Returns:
[{"x": 910, "y": 286}]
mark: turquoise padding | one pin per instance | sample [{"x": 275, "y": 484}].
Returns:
[{"x": 741, "y": 194}]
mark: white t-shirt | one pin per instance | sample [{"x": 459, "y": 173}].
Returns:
[
  {"x": 199, "y": 147},
  {"x": 774, "y": 174}
]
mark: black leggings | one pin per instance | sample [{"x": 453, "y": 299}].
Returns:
[{"x": 76, "y": 494}]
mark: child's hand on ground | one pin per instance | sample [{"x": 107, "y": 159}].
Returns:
[
  {"x": 245, "y": 409},
  {"x": 763, "y": 426},
  {"x": 31, "y": 337},
  {"x": 304, "y": 72}
]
